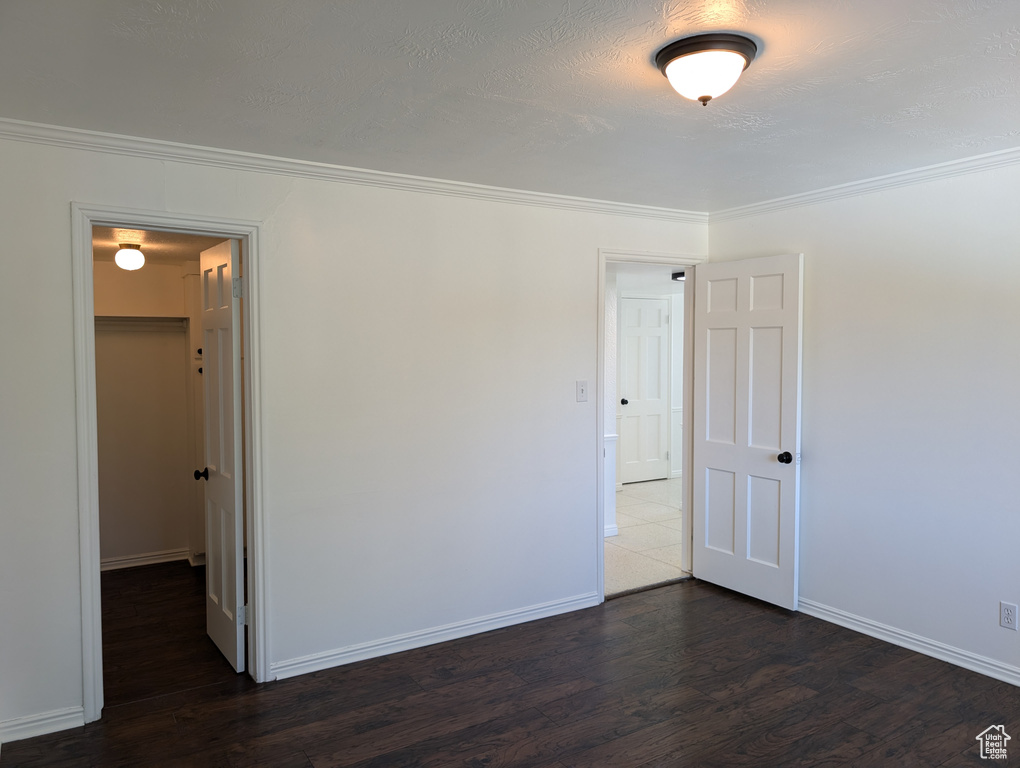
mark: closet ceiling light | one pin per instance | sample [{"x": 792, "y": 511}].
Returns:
[{"x": 130, "y": 256}]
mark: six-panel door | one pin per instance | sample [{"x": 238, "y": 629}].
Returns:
[
  {"x": 747, "y": 418},
  {"x": 224, "y": 513}
]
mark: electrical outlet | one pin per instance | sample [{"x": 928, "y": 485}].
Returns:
[{"x": 1007, "y": 616}]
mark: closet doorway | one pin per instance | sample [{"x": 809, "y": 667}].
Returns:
[
  {"x": 150, "y": 427},
  {"x": 142, "y": 352}
]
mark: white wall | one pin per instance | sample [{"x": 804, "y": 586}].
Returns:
[
  {"x": 156, "y": 290},
  {"x": 146, "y": 499},
  {"x": 910, "y": 481},
  {"x": 425, "y": 461}
]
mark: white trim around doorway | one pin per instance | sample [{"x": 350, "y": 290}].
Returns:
[
  {"x": 83, "y": 218},
  {"x": 612, "y": 256}
]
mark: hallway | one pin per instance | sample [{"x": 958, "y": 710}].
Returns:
[{"x": 647, "y": 550}]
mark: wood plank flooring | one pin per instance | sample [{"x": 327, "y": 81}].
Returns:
[
  {"x": 683, "y": 675},
  {"x": 154, "y": 640}
]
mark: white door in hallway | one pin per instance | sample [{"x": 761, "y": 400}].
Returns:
[
  {"x": 746, "y": 447},
  {"x": 224, "y": 509},
  {"x": 643, "y": 389}
]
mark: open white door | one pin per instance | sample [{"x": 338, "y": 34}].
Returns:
[
  {"x": 224, "y": 508},
  {"x": 746, "y": 446},
  {"x": 644, "y": 389}
]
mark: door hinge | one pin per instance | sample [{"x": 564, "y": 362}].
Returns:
[
  {"x": 238, "y": 288},
  {"x": 667, "y": 455},
  {"x": 242, "y": 616}
]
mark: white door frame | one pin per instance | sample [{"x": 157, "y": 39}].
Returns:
[
  {"x": 689, "y": 262},
  {"x": 83, "y": 218}
]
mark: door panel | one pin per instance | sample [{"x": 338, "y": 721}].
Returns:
[
  {"x": 721, "y": 351},
  {"x": 644, "y": 383},
  {"x": 720, "y": 512},
  {"x": 224, "y": 516},
  {"x": 747, "y": 339},
  {"x": 766, "y": 375}
]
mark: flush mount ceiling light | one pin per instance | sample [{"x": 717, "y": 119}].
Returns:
[
  {"x": 130, "y": 256},
  {"x": 705, "y": 66}
]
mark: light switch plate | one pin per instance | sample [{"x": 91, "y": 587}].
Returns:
[{"x": 582, "y": 391}]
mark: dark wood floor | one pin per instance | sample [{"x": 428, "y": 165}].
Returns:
[
  {"x": 684, "y": 675},
  {"x": 154, "y": 640}
]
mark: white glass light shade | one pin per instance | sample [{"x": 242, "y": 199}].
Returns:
[
  {"x": 707, "y": 73},
  {"x": 129, "y": 258}
]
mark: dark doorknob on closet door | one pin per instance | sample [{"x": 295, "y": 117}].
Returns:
[
  {"x": 203, "y": 475},
  {"x": 624, "y": 401},
  {"x": 785, "y": 458}
]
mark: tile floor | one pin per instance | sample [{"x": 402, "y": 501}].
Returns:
[{"x": 648, "y": 548}]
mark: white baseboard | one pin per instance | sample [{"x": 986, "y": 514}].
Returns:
[
  {"x": 612, "y": 530},
  {"x": 619, "y": 487},
  {"x": 676, "y": 474},
  {"x": 148, "y": 558},
  {"x": 43, "y": 723},
  {"x": 335, "y": 658},
  {"x": 196, "y": 559},
  {"x": 961, "y": 658}
]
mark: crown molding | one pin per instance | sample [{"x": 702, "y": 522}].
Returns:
[
  {"x": 39, "y": 133},
  {"x": 112, "y": 143},
  {"x": 967, "y": 165}
]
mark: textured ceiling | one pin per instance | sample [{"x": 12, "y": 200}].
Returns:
[{"x": 549, "y": 95}]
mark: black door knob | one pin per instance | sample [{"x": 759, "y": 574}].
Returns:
[
  {"x": 785, "y": 458},
  {"x": 203, "y": 475},
  {"x": 624, "y": 401}
]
